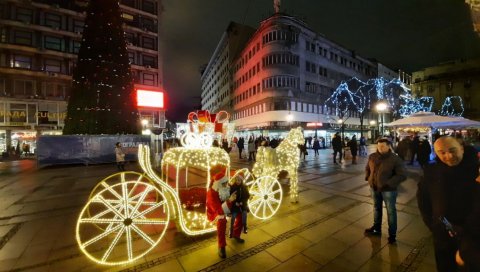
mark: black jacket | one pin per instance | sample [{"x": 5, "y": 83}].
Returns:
[
  {"x": 242, "y": 198},
  {"x": 453, "y": 193}
]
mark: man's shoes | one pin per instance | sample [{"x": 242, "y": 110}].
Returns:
[
  {"x": 245, "y": 230},
  {"x": 222, "y": 253},
  {"x": 239, "y": 240},
  {"x": 392, "y": 239},
  {"x": 373, "y": 231}
]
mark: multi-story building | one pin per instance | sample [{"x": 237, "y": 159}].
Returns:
[
  {"x": 39, "y": 42},
  {"x": 459, "y": 78},
  {"x": 285, "y": 70}
]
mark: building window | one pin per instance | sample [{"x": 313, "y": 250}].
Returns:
[
  {"x": 148, "y": 6},
  {"x": 20, "y": 61},
  {"x": 53, "y": 43},
  {"x": 53, "y": 20},
  {"x": 148, "y": 61},
  {"x": 52, "y": 65},
  {"x": 76, "y": 47},
  {"x": 131, "y": 57},
  {"x": 78, "y": 26},
  {"x": 149, "y": 79},
  {"x": 55, "y": 90},
  {"x": 24, "y": 15},
  {"x": 130, "y": 38},
  {"x": 148, "y": 43},
  {"x": 2, "y": 87},
  {"x": 130, "y": 3},
  {"x": 23, "y": 37},
  {"x": 23, "y": 88},
  {"x": 148, "y": 24}
]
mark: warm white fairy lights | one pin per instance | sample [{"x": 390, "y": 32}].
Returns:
[
  {"x": 266, "y": 197},
  {"x": 286, "y": 157},
  {"x": 181, "y": 215},
  {"x": 122, "y": 210}
]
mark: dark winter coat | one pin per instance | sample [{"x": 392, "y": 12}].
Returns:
[
  {"x": 384, "y": 172},
  {"x": 242, "y": 198},
  {"x": 423, "y": 154},
  {"x": 316, "y": 144},
  {"x": 337, "y": 143},
  {"x": 453, "y": 193},
  {"x": 353, "y": 146}
]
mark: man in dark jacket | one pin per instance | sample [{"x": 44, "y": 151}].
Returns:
[
  {"x": 337, "y": 146},
  {"x": 384, "y": 172},
  {"x": 448, "y": 197}
]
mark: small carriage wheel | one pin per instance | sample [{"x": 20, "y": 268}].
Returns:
[
  {"x": 265, "y": 197},
  {"x": 118, "y": 178},
  {"x": 134, "y": 216}
]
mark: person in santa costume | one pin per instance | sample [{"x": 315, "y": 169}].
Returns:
[{"x": 219, "y": 202}]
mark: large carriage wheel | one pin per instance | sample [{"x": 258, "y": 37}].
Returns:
[
  {"x": 133, "y": 216},
  {"x": 266, "y": 197},
  {"x": 118, "y": 178}
]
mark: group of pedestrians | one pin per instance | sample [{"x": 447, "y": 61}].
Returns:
[{"x": 448, "y": 198}]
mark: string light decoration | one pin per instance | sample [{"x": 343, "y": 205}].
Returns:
[
  {"x": 102, "y": 100},
  {"x": 412, "y": 105},
  {"x": 452, "y": 106},
  {"x": 129, "y": 212},
  {"x": 286, "y": 157}
]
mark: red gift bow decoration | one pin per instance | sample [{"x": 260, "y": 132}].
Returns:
[{"x": 204, "y": 116}]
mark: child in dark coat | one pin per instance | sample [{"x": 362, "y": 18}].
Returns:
[{"x": 240, "y": 205}]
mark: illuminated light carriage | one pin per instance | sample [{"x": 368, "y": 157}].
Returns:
[{"x": 128, "y": 213}]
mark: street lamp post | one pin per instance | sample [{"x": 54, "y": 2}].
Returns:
[
  {"x": 342, "y": 128},
  {"x": 381, "y": 108}
]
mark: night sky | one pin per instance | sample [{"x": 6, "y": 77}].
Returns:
[{"x": 404, "y": 34}]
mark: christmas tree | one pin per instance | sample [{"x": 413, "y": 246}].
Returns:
[{"x": 102, "y": 99}]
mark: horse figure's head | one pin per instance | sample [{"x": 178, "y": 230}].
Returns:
[{"x": 295, "y": 136}]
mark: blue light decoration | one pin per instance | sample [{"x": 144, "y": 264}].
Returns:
[
  {"x": 452, "y": 106},
  {"x": 411, "y": 105},
  {"x": 343, "y": 100}
]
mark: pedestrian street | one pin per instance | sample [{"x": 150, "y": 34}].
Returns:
[{"x": 324, "y": 231}]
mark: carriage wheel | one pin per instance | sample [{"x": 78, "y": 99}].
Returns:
[
  {"x": 133, "y": 217},
  {"x": 118, "y": 178},
  {"x": 266, "y": 197}
]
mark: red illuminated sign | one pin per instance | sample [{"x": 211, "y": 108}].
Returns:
[{"x": 150, "y": 99}]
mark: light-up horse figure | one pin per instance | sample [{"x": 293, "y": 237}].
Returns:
[{"x": 286, "y": 157}]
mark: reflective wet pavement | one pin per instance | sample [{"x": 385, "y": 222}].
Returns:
[{"x": 323, "y": 232}]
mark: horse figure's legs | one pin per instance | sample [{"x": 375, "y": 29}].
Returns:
[{"x": 293, "y": 186}]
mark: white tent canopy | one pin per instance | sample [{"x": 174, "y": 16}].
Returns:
[{"x": 430, "y": 119}]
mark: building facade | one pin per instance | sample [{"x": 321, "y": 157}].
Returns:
[
  {"x": 39, "y": 42},
  {"x": 282, "y": 77},
  {"x": 459, "y": 78}
]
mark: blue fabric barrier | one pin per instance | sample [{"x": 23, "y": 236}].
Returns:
[{"x": 88, "y": 149}]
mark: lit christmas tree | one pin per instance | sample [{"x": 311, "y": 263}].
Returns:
[{"x": 102, "y": 99}]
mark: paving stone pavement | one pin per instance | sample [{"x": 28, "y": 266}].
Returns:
[{"x": 322, "y": 232}]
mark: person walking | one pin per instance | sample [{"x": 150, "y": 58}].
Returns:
[
  {"x": 337, "y": 146},
  {"x": 363, "y": 146},
  {"x": 316, "y": 146},
  {"x": 119, "y": 157},
  {"x": 241, "y": 146},
  {"x": 251, "y": 149},
  {"x": 353, "y": 145},
  {"x": 384, "y": 172},
  {"x": 449, "y": 202}
]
